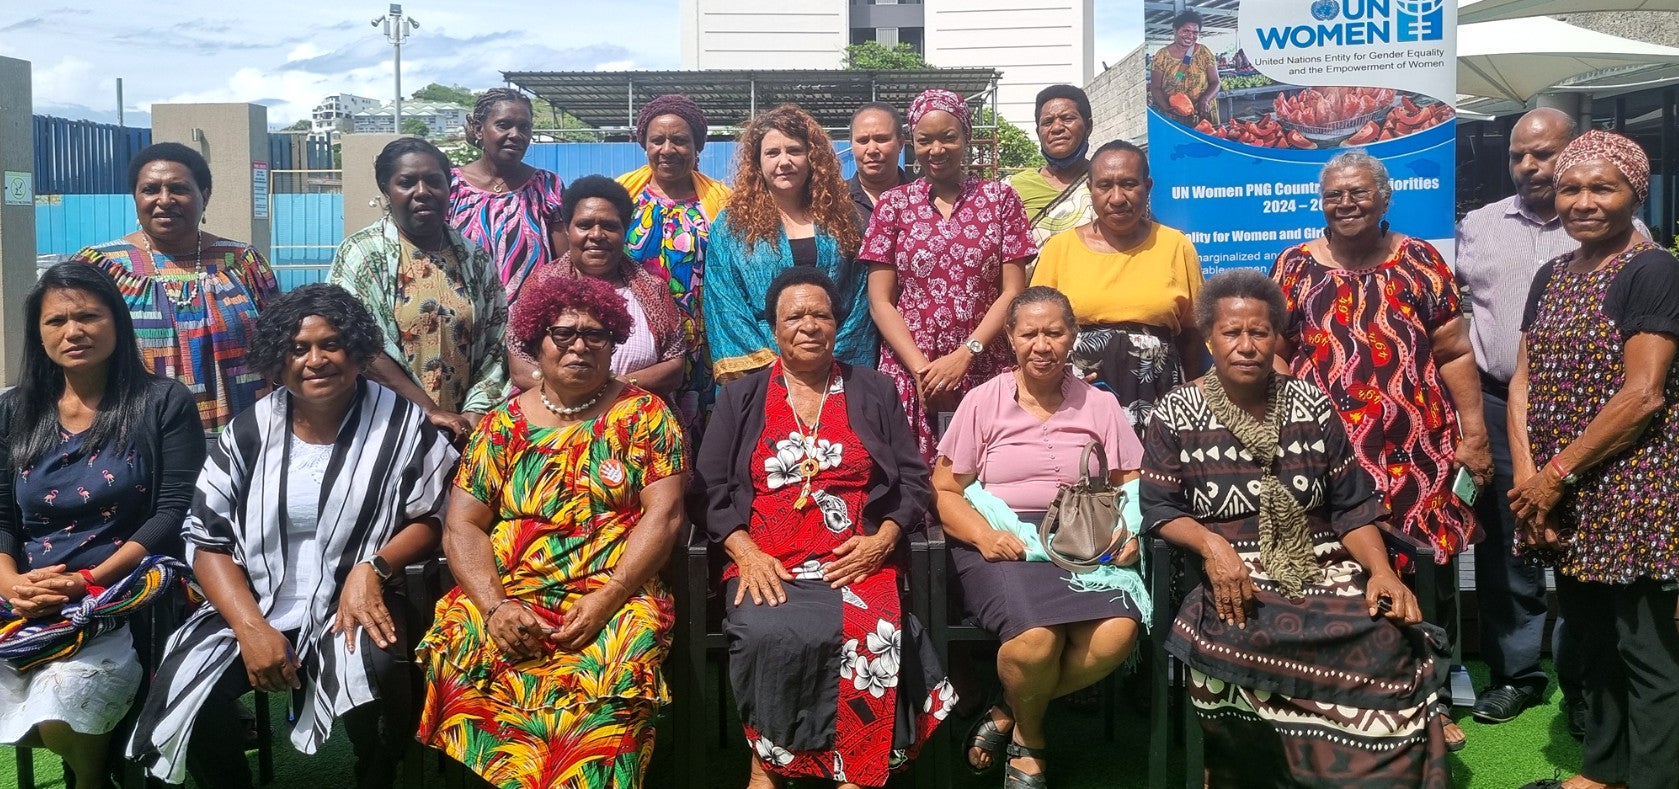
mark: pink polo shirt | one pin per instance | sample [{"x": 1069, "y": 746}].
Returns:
[{"x": 1021, "y": 459}]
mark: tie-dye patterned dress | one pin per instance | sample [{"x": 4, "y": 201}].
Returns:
[
  {"x": 512, "y": 226},
  {"x": 1363, "y": 338},
  {"x": 566, "y": 500},
  {"x": 669, "y": 238}
]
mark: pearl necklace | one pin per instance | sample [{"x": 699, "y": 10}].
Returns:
[
  {"x": 185, "y": 298},
  {"x": 560, "y": 410}
]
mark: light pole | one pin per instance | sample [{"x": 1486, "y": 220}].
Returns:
[{"x": 397, "y": 27}]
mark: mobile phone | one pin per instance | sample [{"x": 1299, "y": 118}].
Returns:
[{"x": 1464, "y": 487}]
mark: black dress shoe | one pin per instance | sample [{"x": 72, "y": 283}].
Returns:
[
  {"x": 1503, "y": 703},
  {"x": 1574, "y": 715}
]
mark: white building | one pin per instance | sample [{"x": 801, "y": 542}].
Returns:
[
  {"x": 332, "y": 115},
  {"x": 1032, "y": 43},
  {"x": 440, "y": 119}
]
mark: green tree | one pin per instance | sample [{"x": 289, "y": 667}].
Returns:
[
  {"x": 446, "y": 94},
  {"x": 1016, "y": 150},
  {"x": 415, "y": 126},
  {"x": 875, "y": 56},
  {"x": 302, "y": 125}
]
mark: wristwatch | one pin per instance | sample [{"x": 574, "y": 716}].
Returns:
[
  {"x": 974, "y": 346},
  {"x": 381, "y": 568}
]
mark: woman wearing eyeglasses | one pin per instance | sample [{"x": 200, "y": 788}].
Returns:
[
  {"x": 1185, "y": 68},
  {"x": 545, "y": 662},
  {"x": 1373, "y": 320}
]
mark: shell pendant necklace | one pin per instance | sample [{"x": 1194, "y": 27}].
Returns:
[
  {"x": 809, "y": 466},
  {"x": 185, "y": 298}
]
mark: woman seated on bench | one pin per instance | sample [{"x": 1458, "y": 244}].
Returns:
[
  {"x": 810, "y": 482},
  {"x": 1306, "y": 659},
  {"x": 1014, "y": 440}
]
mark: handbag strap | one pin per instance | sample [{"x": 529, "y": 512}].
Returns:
[
  {"x": 1100, "y": 481},
  {"x": 1120, "y": 535}
]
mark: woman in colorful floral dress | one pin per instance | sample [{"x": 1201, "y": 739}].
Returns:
[
  {"x": 1595, "y": 456},
  {"x": 675, "y": 205},
  {"x": 194, "y": 296},
  {"x": 1373, "y": 321},
  {"x": 543, "y": 667},
  {"x": 508, "y": 207},
  {"x": 810, "y": 482},
  {"x": 948, "y": 252}
]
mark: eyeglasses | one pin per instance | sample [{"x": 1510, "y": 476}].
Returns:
[
  {"x": 1337, "y": 197},
  {"x": 593, "y": 339}
]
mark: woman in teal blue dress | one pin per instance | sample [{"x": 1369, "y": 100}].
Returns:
[{"x": 790, "y": 207}]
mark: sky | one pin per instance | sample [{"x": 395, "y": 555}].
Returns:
[{"x": 289, "y": 54}]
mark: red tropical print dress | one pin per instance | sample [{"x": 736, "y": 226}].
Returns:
[
  {"x": 1363, "y": 338},
  {"x": 872, "y": 648}
]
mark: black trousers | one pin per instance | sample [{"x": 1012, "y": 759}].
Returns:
[
  {"x": 1510, "y": 593},
  {"x": 379, "y": 732},
  {"x": 1630, "y": 645}
]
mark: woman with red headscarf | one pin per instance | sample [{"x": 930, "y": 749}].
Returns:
[
  {"x": 1594, "y": 423},
  {"x": 948, "y": 252}
]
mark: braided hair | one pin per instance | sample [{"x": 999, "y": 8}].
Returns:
[{"x": 487, "y": 101}]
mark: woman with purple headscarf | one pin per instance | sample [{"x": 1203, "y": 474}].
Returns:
[
  {"x": 947, "y": 253},
  {"x": 1594, "y": 419}
]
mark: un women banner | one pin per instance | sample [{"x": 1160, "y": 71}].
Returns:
[{"x": 1247, "y": 103}]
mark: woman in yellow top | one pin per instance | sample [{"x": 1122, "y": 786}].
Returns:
[
  {"x": 1132, "y": 282},
  {"x": 1185, "y": 67}
]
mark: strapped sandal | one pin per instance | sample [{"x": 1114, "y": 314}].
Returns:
[
  {"x": 1444, "y": 711},
  {"x": 1013, "y": 778},
  {"x": 985, "y": 736}
]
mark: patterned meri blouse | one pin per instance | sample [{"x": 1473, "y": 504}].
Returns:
[
  {"x": 194, "y": 327},
  {"x": 512, "y": 226}
]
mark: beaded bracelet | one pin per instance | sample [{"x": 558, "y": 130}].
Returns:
[{"x": 494, "y": 608}]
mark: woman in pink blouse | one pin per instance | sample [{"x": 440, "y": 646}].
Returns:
[
  {"x": 1013, "y": 441},
  {"x": 947, "y": 253}
]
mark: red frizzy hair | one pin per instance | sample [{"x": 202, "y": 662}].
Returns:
[
  {"x": 752, "y": 209},
  {"x": 548, "y": 294}
]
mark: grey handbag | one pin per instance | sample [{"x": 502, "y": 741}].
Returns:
[{"x": 1082, "y": 529}]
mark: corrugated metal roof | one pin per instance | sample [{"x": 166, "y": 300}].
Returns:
[{"x": 610, "y": 99}]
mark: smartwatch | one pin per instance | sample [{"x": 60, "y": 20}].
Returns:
[
  {"x": 381, "y": 568},
  {"x": 974, "y": 346}
]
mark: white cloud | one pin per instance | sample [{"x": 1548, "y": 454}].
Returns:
[{"x": 616, "y": 65}]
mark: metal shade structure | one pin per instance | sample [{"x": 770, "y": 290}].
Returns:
[
  {"x": 611, "y": 99},
  {"x": 1474, "y": 11},
  {"x": 1516, "y": 59}
]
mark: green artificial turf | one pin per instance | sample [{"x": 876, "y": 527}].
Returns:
[{"x": 1506, "y": 756}]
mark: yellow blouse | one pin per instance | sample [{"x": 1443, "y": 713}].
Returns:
[{"x": 1154, "y": 283}]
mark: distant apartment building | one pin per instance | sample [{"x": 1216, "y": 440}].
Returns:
[
  {"x": 332, "y": 116},
  {"x": 440, "y": 119},
  {"x": 1032, "y": 43}
]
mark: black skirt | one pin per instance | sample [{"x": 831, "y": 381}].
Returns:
[{"x": 1009, "y": 598}]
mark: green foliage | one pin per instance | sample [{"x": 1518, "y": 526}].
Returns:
[
  {"x": 1016, "y": 150},
  {"x": 302, "y": 125},
  {"x": 446, "y": 94},
  {"x": 555, "y": 123},
  {"x": 414, "y": 126},
  {"x": 459, "y": 152},
  {"x": 875, "y": 56}
]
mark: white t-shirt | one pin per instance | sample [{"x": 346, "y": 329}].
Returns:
[
  {"x": 303, "y": 547},
  {"x": 639, "y": 351}
]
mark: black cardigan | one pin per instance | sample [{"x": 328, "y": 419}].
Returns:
[
  {"x": 723, "y": 471},
  {"x": 172, "y": 437}
]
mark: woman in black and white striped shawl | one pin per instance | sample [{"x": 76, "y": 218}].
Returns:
[{"x": 295, "y": 604}]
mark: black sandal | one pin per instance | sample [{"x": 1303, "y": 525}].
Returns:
[
  {"x": 1444, "y": 711},
  {"x": 1014, "y": 778},
  {"x": 985, "y": 736}
]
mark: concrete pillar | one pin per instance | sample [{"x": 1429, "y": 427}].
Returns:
[
  {"x": 234, "y": 139},
  {"x": 17, "y": 210},
  {"x": 363, "y": 202}
]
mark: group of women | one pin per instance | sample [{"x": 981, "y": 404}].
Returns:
[{"x": 674, "y": 345}]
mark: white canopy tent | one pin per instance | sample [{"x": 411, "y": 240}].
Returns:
[
  {"x": 1472, "y": 11},
  {"x": 1515, "y": 59}
]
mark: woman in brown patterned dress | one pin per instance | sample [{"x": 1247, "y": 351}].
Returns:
[
  {"x": 1595, "y": 443},
  {"x": 1306, "y": 658},
  {"x": 1374, "y": 322}
]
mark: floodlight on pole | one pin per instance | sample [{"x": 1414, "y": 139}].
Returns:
[{"x": 397, "y": 29}]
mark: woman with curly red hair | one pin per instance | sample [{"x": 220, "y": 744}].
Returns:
[
  {"x": 545, "y": 662},
  {"x": 790, "y": 207}
]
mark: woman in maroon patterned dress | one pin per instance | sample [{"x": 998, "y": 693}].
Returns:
[
  {"x": 810, "y": 482},
  {"x": 948, "y": 252},
  {"x": 1374, "y": 322}
]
